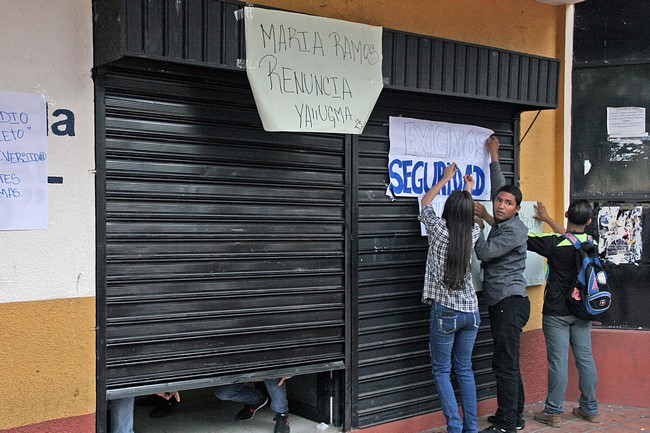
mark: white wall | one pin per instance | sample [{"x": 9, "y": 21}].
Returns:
[{"x": 47, "y": 49}]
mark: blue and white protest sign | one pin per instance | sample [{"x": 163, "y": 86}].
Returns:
[{"x": 421, "y": 149}]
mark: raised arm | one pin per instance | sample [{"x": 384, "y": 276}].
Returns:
[
  {"x": 497, "y": 179},
  {"x": 542, "y": 215},
  {"x": 448, "y": 175},
  {"x": 482, "y": 213},
  {"x": 469, "y": 182}
]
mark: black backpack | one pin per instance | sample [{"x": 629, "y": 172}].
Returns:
[{"x": 590, "y": 295}]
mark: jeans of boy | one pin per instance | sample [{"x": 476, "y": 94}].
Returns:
[
  {"x": 507, "y": 320},
  {"x": 452, "y": 335},
  {"x": 242, "y": 393},
  {"x": 560, "y": 332},
  {"x": 122, "y": 415}
]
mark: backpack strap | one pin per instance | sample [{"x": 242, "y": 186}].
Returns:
[{"x": 573, "y": 239}]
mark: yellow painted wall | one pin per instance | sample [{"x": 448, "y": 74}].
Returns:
[
  {"x": 542, "y": 161},
  {"x": 47, "y": 347},
  {"x": 47, "y": 359},
  {"x": 519, "y": 25},
  {"x": 47, "y": 277}
]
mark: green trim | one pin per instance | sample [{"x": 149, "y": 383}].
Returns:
[
  {"x": 581, "y": 236},
  {"x": 541, "y": 235},
  {"x": 565, "y": 242}
]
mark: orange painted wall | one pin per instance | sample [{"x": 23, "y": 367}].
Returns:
[
  {"x": 520, "y": 25},
  {"x": 48, "y": 361},
  {"x": 622, "y": 359},
  {"x": 48, "y": 347},
  {"x": 623, "y": 377},
  {"x": 47, "y": 276},
  {"x": 73, "y": 424}
]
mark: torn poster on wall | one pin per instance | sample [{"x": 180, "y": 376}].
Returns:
[
  {"x": 626, "y": 133},
  {"x": 628, "y": 148},
  {"x": 619, "y": 234}
]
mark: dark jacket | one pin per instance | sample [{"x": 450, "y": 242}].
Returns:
[{"x": 563, "y": 269}]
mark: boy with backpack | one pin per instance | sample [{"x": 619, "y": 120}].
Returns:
[{"x": 560, "y": 326}]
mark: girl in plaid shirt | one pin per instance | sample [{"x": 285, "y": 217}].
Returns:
[{"x": 449, "y": 290}]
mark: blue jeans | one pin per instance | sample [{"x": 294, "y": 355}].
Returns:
[
  {"x": 452, "y": 335},
  {"x": 560, "y": 332},
  {"x": 122, "y": 415},
  {"x": 507, "y": 320},
  {"x": 241, "y": 393}
]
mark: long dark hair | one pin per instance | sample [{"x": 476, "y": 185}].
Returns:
[{"x": 459, "y": 215}]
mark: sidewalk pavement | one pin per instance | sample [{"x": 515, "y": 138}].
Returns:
[{"x": 614, "y": 419}]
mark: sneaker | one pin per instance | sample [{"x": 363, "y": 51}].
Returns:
[
  {"x": 580, "y": 413},
  {"x": 281, "y": 423},
  {"x": 248, "y": 412},
  {"x": 163, "y": 409},
  {"x": 551, "y": 419},
  {"x": 521, "y": 421},
  {"x": 495, "y": 429}
]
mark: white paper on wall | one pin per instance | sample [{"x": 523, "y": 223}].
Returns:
[
  {"x": 312, "y": 74},
  {"x": 626, "y": 122},
  {"x": 23, "y": 161}
]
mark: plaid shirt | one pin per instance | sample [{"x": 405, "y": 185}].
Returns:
[{"x": 434, "y": 287}]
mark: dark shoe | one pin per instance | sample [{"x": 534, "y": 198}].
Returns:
[
  {"x": 248, "y": 412},
  {"x": 580, "y": 413},
  {"x": 281, "y": 423},
  {"x": 163, "y": 408},
  {"x": 521, "y": 421},
  {"x": 150, "y": 400},
  {"x": 495, "y": 429},
  {"x": 551, "y": 419}
]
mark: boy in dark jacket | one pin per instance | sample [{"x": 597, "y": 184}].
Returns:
[{"x": 561, "y": 328}]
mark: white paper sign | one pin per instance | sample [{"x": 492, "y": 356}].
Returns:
[
  {"x": 312, "y": 74},
  {"x": 421, "y": 149},
  {"x": 23, "y": 161},
  {"x": 535, "y": 272},
  {"x": 626, "y": 121}
]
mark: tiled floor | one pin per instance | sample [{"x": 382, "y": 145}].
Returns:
[{"x": 201, "y": 412}]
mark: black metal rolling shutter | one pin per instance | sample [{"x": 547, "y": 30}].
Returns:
[
  {"x": 225, "y": 244},
  {"x": 394, "y": 370}
]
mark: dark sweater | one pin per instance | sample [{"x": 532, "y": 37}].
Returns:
[{"x": 563, "y": 269}]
